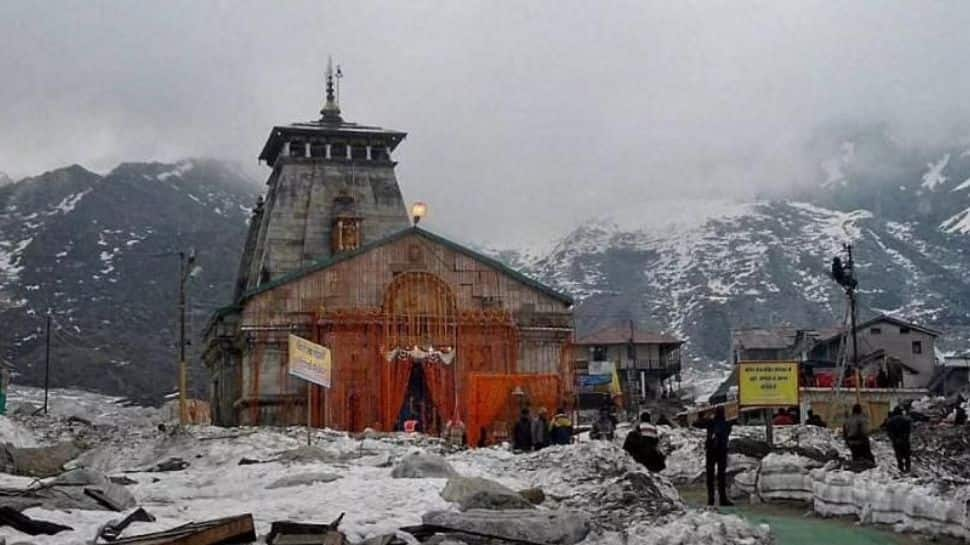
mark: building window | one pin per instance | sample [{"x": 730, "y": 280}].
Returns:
[
  {"x": 358, "y": 152},
  {"x": 599, "y": 353},
  {"x": 318, "y": 149},
  {"x": 917, "y": 347},
  {"x": 297, "y": 149},
  {"x": 346, "y": 235},
  {"x": 875, "y": 331},
  {"x": 904, "y": 330},
  {"x": 338, "y": 151},
  {"x": 378, "y": 153}
]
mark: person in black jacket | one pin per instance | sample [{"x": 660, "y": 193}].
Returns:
[
  {"x": 716, "y": 454},
  {"x": 522, "y": 433},
  {"x": 898, "y": 428},
  {"x": 643, "y": 445}
]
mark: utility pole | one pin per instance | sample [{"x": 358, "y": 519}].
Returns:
[
  {"x": 47, "y": 361},
  {"x": 850, "y": 289},
  {"x": 844, "y": 275},
  {"x": 185, "y": 270}
]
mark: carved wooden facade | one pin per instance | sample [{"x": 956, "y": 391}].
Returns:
[{"x": 412, "y": 289}]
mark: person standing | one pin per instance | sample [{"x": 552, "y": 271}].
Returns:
[
  {"x": 561, "y": 428},
  {"x": 959, "y": 414},
  {"x": 643, "y": 445},
  {"x": 540, "y": 430},
  {"x": 855, "y": 431},
  {"x": 604, "y": 426},
  {"x": 899, "y": 428},
  {"x": 716, "y": 454},
  {"x": 782, "y": 418},
  {"x": 522, "y": 433},
  {"x": 815, "y": 420}
]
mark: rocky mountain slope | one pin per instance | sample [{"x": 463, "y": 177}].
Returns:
[
  {"x": 700, "y": 268},
  {"x": 101, "y": 252}
]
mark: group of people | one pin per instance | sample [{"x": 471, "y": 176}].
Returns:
[
  {"x": 898, "y": 427},
  {"x": 538, "y": 431},
  {"x": 790, "y": 417}
]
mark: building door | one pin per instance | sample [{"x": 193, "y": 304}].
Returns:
[{"x": 418, "y": 404}]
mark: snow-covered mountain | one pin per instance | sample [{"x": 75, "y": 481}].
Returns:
[
  {"x": 102, "y": 253},
  {"x": 754, "y": 264},
  {"x": 699, "y": 268}
]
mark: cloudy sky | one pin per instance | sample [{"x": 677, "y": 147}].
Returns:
[{"x": 523, "y": 117}]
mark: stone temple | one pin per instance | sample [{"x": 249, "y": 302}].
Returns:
[{"x": 420, "y": 328}]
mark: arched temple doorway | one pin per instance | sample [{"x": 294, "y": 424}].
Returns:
[{"x": 420, "y": 339}]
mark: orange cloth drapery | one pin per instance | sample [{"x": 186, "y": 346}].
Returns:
[
  {"x": 491, "y": 398},
  {"x": 440, "y": 380},
  {"x": 397, "y": 375}
]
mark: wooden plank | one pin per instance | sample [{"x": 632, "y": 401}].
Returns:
[
  {"x": 238, "y": 529},
  {"x": 32, "y": 527},
  {"x": 102, "y": 498}
]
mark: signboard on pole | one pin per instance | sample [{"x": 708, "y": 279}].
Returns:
[
  {"x": 309, "y": 361},
  {"x": 768, "y": 383},
  {"x": 600, "y": 368}
]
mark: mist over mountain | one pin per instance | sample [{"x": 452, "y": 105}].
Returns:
[
  {"x": 698, "y": 268},
  {"x": 101, "y": 252}
]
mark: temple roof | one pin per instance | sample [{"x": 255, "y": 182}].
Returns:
[
  {"x": 330, "y": 124},
  {"x": 327, "y": 263},
  {"x": 624, "y": 334},
  {"x": 283, "y": 133}
]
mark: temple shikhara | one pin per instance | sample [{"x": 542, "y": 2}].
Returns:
[{"x": 420, "y": 328}]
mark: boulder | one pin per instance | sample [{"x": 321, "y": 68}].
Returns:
[
  {"x": 37, "y": 461},
  {"x": 79, "y": 477},
  {"x": 420, "y": 465},
  {"x": 551, "y": 527},
  {"x": 25, "y": 409},
  {"x": 459, "y": 487},
  {"x": 479, "y": 493},
  {"x": 375, "y": 460},
  {"x": 485, "y": 499},
  {"x": 303, "y": 479},
  {"x": 535, "y": 496},
  {"x": 755, "y": 448}
]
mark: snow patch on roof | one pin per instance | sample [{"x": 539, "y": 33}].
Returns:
[{"x": 934, "y": 176}]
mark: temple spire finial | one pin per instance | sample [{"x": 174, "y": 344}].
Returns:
[{"x": 331, "y": 109}]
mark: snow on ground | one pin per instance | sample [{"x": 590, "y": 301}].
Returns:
[
  {"x": 929, "y": 500},
  {"x": 594, "y": 477},
  {"x": 13, "y": 433},
  {"x": 96, "y": 408},
  {"x": 701, "y": 383}
]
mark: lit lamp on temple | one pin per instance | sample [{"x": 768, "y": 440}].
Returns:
[{"x": 418, "y": 211}]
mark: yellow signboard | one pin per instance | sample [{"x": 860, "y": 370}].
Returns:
[
  {"x": 309, "y": 361},
  {"x": 768, "y": 383}
]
